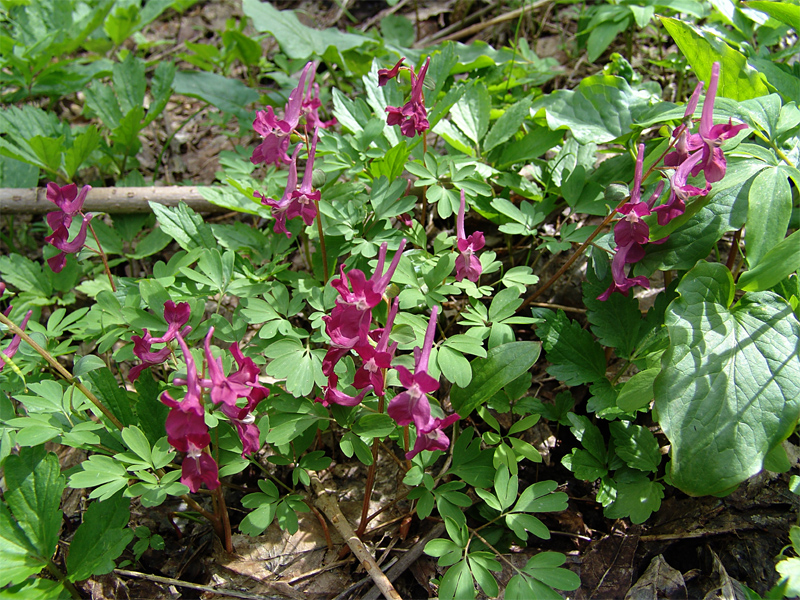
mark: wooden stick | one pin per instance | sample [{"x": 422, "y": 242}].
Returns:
[
  {"x": 408, "y": 559},
  {"x": 327, "y": 503},
  {"x": 193, "y": 586},
  {"x": 120, "y": 200}
]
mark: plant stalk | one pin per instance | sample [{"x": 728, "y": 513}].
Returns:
[
  {"x": 61, "y": 370},
  {"x": 104, "y": 259}
]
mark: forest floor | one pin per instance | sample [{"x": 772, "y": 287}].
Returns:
[{"x": 690, "y": 548}]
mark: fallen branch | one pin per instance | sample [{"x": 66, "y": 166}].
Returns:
[
  {"x": 193, "y": 586},
  {"x": 327, "y": 503},
  {"x": 120, "y": 200},
  {"x": 407, "y": 559}
]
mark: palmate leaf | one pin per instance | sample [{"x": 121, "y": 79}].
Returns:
[
  {"x": 728, "y": 389},
  {"x": 575, "y": 356}
]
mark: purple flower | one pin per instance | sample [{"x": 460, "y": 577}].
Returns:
[
  {"x": 275, "y": 132},
  {"x": 376, "y": 360},
  {"x": 412, "y": 117},
  {"x": 68, "y": 201},
  {"x": 334, "y": 396},
  {"x": 467, "y": 264},
  {"x": 199, "y": 468},
  {"x": 384, "y": 75},
  {"x": 686, "y": 143},
  {"x": 713, "y": 163},
  {"x": 681, "y": 190},
  {"x": 433, "y": 437},
  {"x": 186, "y": 422},
  {"x": 411, "y": 405},
  {"x": 303, "y": 200},
  {"x": 59, "y": 238},
  {"x": 12, "y": 348},
  {"x": 280, "y": 207},
  {"x": 176, "y": 316},
  {"x": 622, "y": 283}
]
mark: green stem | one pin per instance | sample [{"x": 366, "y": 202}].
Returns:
[
  {"x": 104, "y": 259},
  {"x": 774, "y": 147},
  {"x": 56, "y": 572},
  {"x": 322, "y": 244},
  {"x": 61, "y": 370}
]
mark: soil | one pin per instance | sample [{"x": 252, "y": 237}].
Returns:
[{"x": 691, "y": 548}]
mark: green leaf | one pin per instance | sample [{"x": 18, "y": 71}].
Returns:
[
  {"x": 374, "y": 425},
  {"x": 575, "y": 356},
  {"x": 728, "y": 390},
  {"x": 786, "y": 13},
  {"x": 471, "y": 112},
  {"x": 533, "y": 145},
  {"x": 637, "y": 498},
  {"x": 457, "y": 583},
  {"x": 789, "y": 571},
  {"x": 636, "y": 445},
  {"x": 48, "y": 151},
  {"x": 775, "y": 266},
  {"x": 541, "y": 497},
  {"x": 508, "y": 124},
  {"x": 521, "y": 587},
  {"x": 637, "y": 392},
  {"x": 112, "y": 395},
  {"x": 101, "y": 99},
  {"x": 617, "y": 321},
  {"x": 82, "y": 146},
  {"x": 545, "y": 567},
  {"x": 768, "y": 212},
  {"x": 100, "y": 540},
  {"x": 298, "y": 41},
  {"x": 738, "y": 80},
  {"x": 136, "y": 441},
  {"x": 129, "y": 82},
  {"x": 33, "y": 494},
  {"x": 598, "y": 110},
  {"x": 185, "y": 226},
  {"x": 161, "y": 89},
  {"x": 601, "y": 36},
  {"x": 520, "y": 524},
  {"x": 17, "y": 552},
  {"x": 501, "y": 366},
  {"x": 454, "y": 366},
  {"x": 229, "y": 95},
  {"x": 589, "y": 435}
]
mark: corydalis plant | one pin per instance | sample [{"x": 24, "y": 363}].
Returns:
[
  {"x": 412, "y": 116},
  {"x": 70, "y": 204},
  {"x": 694, "y": 153},
  {"x": 9, "y": 351}
]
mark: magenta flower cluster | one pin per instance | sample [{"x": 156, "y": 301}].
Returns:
[
  {"x": 412, "y": 116},
  {"x": 467, "y": 264},
  {"x": 237, "y": 395},
  {"x": 70, "y": 204},
  {"x": 693, "y": 153},
  {"x": 349, "y": 328},
  {"x": 276, "y": 133},
  {"x": 12, "y": 348}
]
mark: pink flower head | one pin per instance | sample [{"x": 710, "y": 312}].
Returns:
[
  {"x": 59, "y": 238},
  {"x": 275, "y": 132},
  {"x": 412, "y": 117},
  {"x": 186, "y": 426},
  {"x": 681, "y": 190},
  {"x": 303, "y": 200},
  {"x": 433, "y": 437},
  {"x": 224, "y": 390},
  {"x": 280, "y": 207},
  {"x": 68, "y": 201},
  {"x": 412, "y": 405},
  {"x": 713, "y": 163},
  {"x": 199, "y": 468},
  {"x": 622, "y": 283},
  {"x": 467, "y": 264},
  {"x": 334, "y": 396},
  {"x": 686, "y": 143},
  {"x": 12, "y": 348},
  {"x": 376, "y": 360},
  {"x": 176, "y": 316},
  {"x": 384, "y": 75}
]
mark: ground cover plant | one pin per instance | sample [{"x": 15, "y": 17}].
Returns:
[{"x": 524, "y": 315}]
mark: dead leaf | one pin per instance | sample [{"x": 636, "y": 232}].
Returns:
[{"x": 660, "y": 580}]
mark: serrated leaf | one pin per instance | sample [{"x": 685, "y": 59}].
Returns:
[
  {"x": 617, "y": 321},
  {"x": 637, "y": 499},
  {"x": 728, "y": 390},
  {"x": 112, "y": 395},
  {"x": 34, "y": 484},
  {"x": 575, "y": 356},
  {"x": 501, "y": 366},
  {"x": 100, "y": 540},
  {"x": 185, "y": 226},
  {"x": 635, "y": 445}
]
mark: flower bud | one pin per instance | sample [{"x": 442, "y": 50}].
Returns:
[
  {"x": 616, "y": 193},
  {"x": 318, "y": 178}
]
